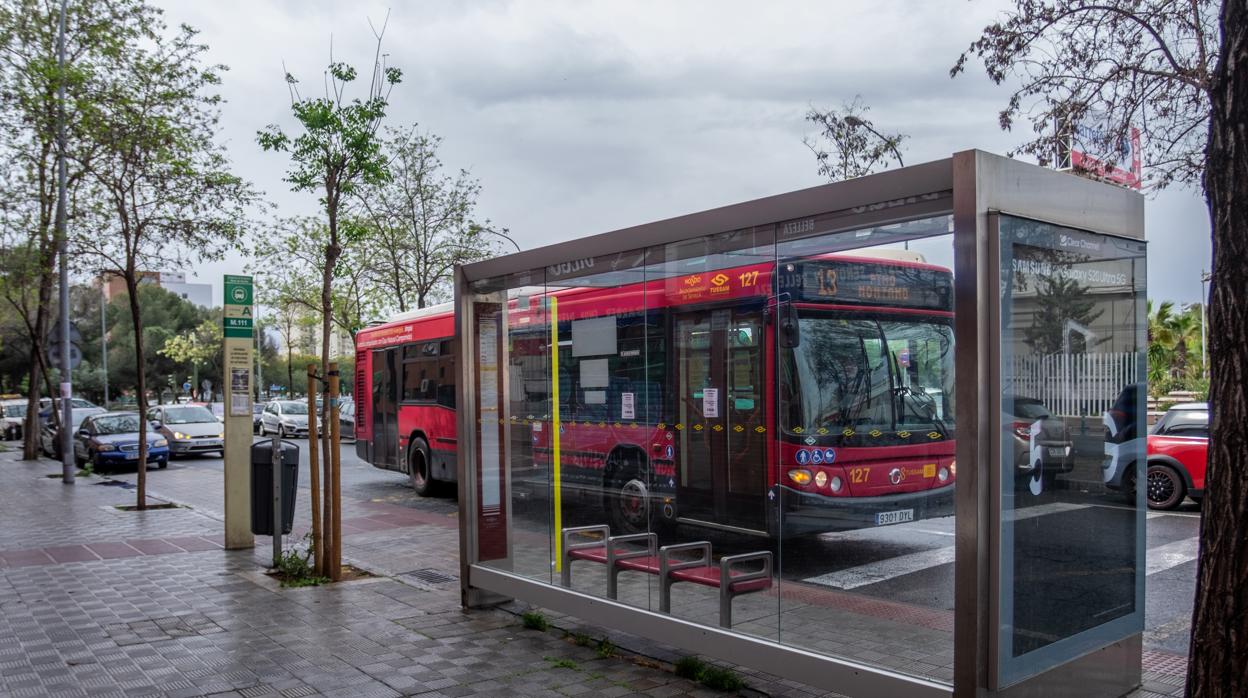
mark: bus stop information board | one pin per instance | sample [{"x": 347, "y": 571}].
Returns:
[{"x": 239, "y": 334}]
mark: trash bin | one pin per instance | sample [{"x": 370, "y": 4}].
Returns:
[{"x": 262, "y": 486}]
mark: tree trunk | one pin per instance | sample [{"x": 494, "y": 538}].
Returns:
[
  {"x": 30, "y": 445},
  {"x": 333, "y": 251},
  {"x": 132, "y": 287},
  {"x": 1217, "y": 666}
]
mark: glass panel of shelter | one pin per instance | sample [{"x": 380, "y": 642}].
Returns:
[
  {"x": 864, "y": 448},
  {"x": 1072, "y": 442}
]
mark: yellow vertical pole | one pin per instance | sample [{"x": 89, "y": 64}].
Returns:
[{"x": 554, "y": 431}]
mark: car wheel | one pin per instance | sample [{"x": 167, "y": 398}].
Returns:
[
  {"x": 1165, "y": 487},
  {"x": 281, "y": 431},
  {"x": 418, "y": 467},
  {"x": 162, "y": 463}
]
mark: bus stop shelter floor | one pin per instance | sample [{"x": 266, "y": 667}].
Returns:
[{"x": 95, "y": 601}]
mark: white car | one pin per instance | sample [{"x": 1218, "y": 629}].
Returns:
[
  {"x": 12, "y": 419},
  {"x": 284, "y": 418}
]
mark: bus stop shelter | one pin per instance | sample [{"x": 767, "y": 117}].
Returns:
[{"x": 877, "y": 436}]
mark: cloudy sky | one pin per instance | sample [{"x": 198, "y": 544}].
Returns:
[{"x": 583, "y": 117}]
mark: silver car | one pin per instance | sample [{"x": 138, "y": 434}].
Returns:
[
  {"x": 189, "y": 429},
  {"x": 284, "y": 418}
]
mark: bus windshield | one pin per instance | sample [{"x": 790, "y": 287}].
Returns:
[{"x": 862, "y": 374}]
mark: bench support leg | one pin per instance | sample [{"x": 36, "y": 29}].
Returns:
[
  {"x": 725, "y": 607},
  {"x": 613, "y": 582},
  {"x": 665, "y": 595},
  {"x": 565, "y": 572}
]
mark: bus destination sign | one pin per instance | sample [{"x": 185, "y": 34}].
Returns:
[{"x": 855, "y": 283}]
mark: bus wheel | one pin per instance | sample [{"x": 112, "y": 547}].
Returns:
[
  {"x": 418, "y": 467},
  {"x": 628, "y": 500}
]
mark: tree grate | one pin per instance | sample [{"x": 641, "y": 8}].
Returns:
[{"x": 430, "y": 576}]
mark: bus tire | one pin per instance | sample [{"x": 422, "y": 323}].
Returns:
[
  {"x": 627, "y": 496},
  {"x": 418, "y": 470}
]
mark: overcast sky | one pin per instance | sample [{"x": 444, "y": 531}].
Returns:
[{"x": 584, "y": 117}]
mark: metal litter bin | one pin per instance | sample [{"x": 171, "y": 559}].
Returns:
[{"x": 262, "y": 486}]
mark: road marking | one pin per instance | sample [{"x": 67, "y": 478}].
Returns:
[
  {"x": 1158, "y": 559},
  {"x": 876, "y": 572},
  {"x": 1163, "y": 557}
]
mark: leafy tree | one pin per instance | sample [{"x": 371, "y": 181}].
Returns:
[
  {"x": 1060, "y": 301},
  {"x": 1177, "y": 69},
  {"x": 848, "y": 145},
  {"x": 422, "y": 222},
  {"x": 29, "y": 81},
  {"x": 203, "y": 349},
  {"x": 159, "y": 184},
  {"x": 337, "y": 152}
]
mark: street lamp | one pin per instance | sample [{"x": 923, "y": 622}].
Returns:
[{"x": 1204, "y": 340}]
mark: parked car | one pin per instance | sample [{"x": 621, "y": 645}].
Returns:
[
  {"x": 190, "y": 429},
  {"x": 1178, "y": 448},
  {"x": 12, "y": 419},
  {"x": 1041, "y": 442},
  {"x": 257, "y": 409},
  {"x": 111, "y": 439},
  {"x": 45, "y": 406},
  {"x": 50, "y": 434},
  {"x": 346, "y": 418},
  {"x": 1122, "y": 441},
  {"x": 285, "y": 418}
]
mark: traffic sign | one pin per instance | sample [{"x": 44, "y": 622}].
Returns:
[
  {"x": 54, "y": 356},
  {"x": 239, "y": 294},
  {"x": 186, "y": 387}
]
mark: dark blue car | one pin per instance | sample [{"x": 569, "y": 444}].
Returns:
[{"x": 111, "y": 439}]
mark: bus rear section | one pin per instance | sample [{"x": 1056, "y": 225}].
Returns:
[{"x": 405, "y": 388}]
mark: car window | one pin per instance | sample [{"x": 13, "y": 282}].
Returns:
[
  {"x": 1030, "y": 409},
  {"x": 1188, "y": 429},
  {"x": 116, "y": 424},
  {"x": 188, "y": 414},
  {"x": 292, "y": 407}
]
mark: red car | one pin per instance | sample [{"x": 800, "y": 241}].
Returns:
[{"x": 1177, "y": 449}]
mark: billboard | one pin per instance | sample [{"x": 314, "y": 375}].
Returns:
[{"x": 1126, "y": 168}]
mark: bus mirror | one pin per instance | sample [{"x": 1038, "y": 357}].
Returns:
[{"x": 788, "y": 328}]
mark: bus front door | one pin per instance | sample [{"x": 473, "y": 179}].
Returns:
[
  {"x": 386, "y": 408},
  {"x": 719, "y": 412}
]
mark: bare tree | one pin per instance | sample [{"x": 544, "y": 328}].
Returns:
[
  {"x": 849, "y": 145},
  {"x": 422, "y": 222},
  {"x": 1178, "y": 70}
]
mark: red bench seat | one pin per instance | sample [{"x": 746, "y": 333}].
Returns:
[{"x": 710, "y": 576}]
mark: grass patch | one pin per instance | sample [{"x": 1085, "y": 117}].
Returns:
[
  {"x": 534, "y": 621},
  {"x": 713, "y": 677},
  {"x": 690, "y": 668},
  {"x": 560, "y": 663},
  {"x": 605, "y": 648},
  {"x": 579, "y": 639},
  {"x": 721, "y": 679},
  {"x": 294, "y": 568}
]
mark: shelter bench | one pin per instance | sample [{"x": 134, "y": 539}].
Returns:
[{"x": 685, "y": 562}]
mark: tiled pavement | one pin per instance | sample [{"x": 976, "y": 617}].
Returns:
[{"x": 94, "y": 601}]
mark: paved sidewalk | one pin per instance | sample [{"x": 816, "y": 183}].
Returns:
[{"x": 96, "y": 601}]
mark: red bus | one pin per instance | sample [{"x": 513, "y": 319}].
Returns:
[{"x": 810, "y": 397}]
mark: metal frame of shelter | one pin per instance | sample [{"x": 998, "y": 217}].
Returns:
[{"x": 975, "y": 188}]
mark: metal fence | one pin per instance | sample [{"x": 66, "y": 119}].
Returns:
[{"x": 1072, "y": 385}]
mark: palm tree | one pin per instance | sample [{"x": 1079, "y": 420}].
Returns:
[
  {"x": 1185, "y": 335},
  {"x": 1160, "y": 341}
]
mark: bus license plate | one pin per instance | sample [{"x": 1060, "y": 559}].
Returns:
[
  {"x": 1057, "y": 452},
  {"x": 892, "y": 517}
]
